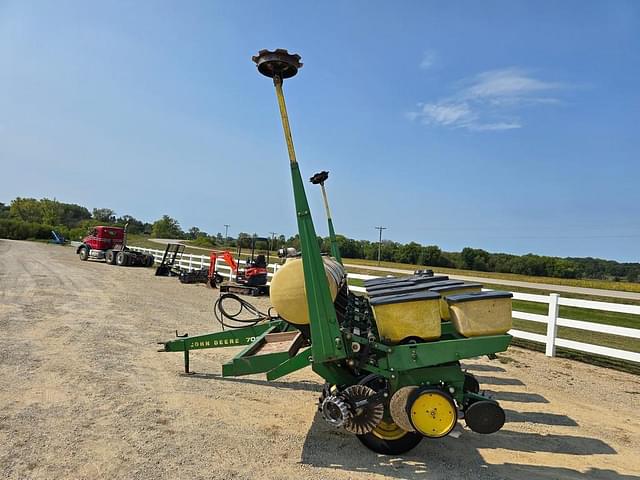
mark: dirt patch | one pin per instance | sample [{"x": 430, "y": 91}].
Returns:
[{"x": 84, "y": 394}]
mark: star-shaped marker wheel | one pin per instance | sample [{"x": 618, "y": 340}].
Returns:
[{"x": 279, "y": 63}]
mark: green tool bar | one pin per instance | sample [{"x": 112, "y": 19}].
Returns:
[
  {"x": 407, "y": 357},
  {"x": 253, "y": 364},
  {"x": 301, "y": 360},
  {"x": 230, "y": 338}
]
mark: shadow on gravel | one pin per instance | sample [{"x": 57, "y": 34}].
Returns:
[
  {"x": 498, "y": 380},
  {"x": 304, "y": 386},
  {"x": 520, "y": 397},
  {"x": 479, "y": 367},
  {"x": 450, "y": 457},
  {"x": 540, "y": 418}
]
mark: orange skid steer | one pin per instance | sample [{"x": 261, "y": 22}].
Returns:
[{"x": 250, "y": 280}]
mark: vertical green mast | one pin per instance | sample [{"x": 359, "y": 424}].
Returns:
[
  {"x": 326, "y": 338},
  {"x": 319, "y": 179}
]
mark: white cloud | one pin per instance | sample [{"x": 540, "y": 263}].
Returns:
[
  {"x": 428, "y": 59},
  {"x": 488, "y": 101},
  {"x": 495, "y": 126},
  {"x": 447, "y": 113},
  {"x": 506, "y": 83}
]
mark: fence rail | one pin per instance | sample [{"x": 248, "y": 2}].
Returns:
[{"x": 552, "y": 319}]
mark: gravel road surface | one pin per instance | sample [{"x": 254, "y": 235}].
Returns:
[{"x": 85, "y": 395}]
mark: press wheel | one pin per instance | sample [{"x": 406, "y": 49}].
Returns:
[{"x": 484, "y": 416}]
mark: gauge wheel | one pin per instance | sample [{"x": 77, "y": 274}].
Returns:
[
  {"x": 389, "y": 439},
  {"x": 432, "y": 412}
]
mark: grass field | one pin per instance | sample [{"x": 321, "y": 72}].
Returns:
[{"x": 605, "y": 284}]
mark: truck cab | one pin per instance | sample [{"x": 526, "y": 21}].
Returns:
[
  {"x": 104, "y": 238},
  {"x": 110, "y": 244}
]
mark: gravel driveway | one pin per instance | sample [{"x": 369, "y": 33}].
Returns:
[{"x": 85, "y": 395}]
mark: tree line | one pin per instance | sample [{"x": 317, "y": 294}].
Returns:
[
  {"x": 480, "y": 260},
  {"x": 29, "y": 218}
]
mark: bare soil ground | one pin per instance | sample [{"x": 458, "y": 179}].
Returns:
[{"x": 85, "y": 395}]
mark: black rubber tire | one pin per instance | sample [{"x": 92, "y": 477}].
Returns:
[
  {"x": 149, "y": 261},
  {"x": 122, "y": 259},
  {"x": 110, "y": 257},
  {"x": 390, "y": 447},
  {"x": 471, "y": 383},
  {"x": 484, "y": 417},
  {"x": 83, "y": 253}
]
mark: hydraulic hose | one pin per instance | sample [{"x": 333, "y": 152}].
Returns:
[{"x": 231, "y": 311}]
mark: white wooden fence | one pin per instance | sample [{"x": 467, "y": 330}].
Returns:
[{"x": 552, "y": 319}]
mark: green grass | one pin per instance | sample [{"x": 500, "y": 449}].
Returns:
[
  {"x": 586, "y": 283},
  {"x": 595, "y": 338}
]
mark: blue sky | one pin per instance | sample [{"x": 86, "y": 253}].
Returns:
[{"x": 509, "y": 126}]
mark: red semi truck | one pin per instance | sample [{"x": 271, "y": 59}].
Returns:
[{"x": 110, "y": 244}]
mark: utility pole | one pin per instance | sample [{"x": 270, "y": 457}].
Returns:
[
  {"x": 226, "y": 233},
  {"x": 273, "y": 240},
  {"x": 380, "y": 241}
]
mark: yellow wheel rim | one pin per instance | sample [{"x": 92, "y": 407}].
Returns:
[
  {"x": 388, "y": 431},
  {"x": 433, "y": 414}
]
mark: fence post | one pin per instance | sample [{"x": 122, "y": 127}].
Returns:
[{"x": 552, "y": 325}]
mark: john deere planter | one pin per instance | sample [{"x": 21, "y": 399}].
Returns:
[{"x": 390, "y": 359}]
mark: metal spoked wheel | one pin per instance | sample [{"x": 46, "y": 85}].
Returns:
[{"x": 388, "y": 438}]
